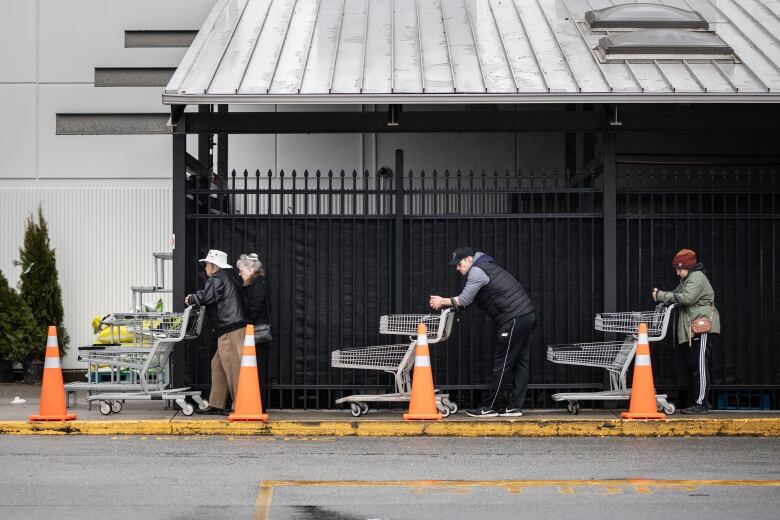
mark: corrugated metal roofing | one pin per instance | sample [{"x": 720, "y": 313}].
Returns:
[{"x": 464, "y": 51}]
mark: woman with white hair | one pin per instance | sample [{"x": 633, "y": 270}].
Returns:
[{"x": 255, "y": 294}]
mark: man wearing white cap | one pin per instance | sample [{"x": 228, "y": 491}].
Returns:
[{"x": 225, "y": 308}]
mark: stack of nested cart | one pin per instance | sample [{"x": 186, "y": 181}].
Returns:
[
  {"x": 133, "y": 360},
  {"x": 145, "y": 360}
]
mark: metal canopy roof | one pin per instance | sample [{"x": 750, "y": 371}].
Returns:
[{"x": 464, "y": 51}]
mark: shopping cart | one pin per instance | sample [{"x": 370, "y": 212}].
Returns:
[
  {"x": 613, "y": 356},
  {"x": 397, "y": 359},
  {"x": 139, "y": 370}
]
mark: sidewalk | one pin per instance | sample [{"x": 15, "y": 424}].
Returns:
[{"x": 151, "y": 418}]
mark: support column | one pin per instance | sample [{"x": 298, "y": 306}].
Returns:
[
  {"x": 179, "y": 176},
  {"x": 222, "y": 147},
  {"x": 205, "y": 143},
  {"x": 609, "y": 205},
  {"x": 398, "y": 266},
  {"x": 180, "y": 259}
]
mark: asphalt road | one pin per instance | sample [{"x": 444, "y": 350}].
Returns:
[{"x": 105, "y": 478}]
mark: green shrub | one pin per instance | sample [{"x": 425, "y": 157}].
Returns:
[
  {"x": 39, "y": 284},
  {"x": 20, "y": 337}
]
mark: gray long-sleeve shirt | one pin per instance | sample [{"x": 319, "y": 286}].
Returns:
[{"x": 476, "y": 279}]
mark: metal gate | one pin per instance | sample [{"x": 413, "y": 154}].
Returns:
[{"x": 343, "y": 248}]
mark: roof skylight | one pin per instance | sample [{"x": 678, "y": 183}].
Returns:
[
  {"x": 645, "y": 16},
  {"x": 662, "y": 42}
]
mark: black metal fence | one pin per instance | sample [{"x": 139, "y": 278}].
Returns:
[
  {"x": 343, "y": 248},
  {"x": 730, "y": 217}
]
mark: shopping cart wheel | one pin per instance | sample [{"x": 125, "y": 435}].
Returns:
[
  {"x": 669, "y": 409},
  {"x": 444, "y": 410},
  {"x": 187, "y": 409},
  {"x": 356, "y": 410},
  {"x": 105, "y": 407},
  {"x": 449, "y": 404},
  {"x": 573, "y": 407},
  {"x": 363, "y": 408},
  {"x": 116, "y": 406}
]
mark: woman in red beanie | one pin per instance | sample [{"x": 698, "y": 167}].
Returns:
[{"x": 695, "y": 300}]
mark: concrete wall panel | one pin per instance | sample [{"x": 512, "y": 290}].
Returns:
[
  {"x": 76, "y": 37},
  {"x": 18, "y": 41},
  {"x": 17, "y": 138}
]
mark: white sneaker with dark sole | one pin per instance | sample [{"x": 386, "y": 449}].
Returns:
[{"x": 510, "y": 412}]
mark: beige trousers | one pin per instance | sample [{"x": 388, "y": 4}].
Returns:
[{"x": 225, "y": 366}]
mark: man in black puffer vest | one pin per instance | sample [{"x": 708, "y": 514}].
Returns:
[{"x": 501, "y": 297}]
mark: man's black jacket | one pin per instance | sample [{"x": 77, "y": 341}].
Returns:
[{"x": 224, "y": 305}]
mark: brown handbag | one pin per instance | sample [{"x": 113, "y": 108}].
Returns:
[{"x": 702, "y": 325}]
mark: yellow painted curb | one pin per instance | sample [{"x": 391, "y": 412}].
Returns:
[{"x": 762, "y": 427}]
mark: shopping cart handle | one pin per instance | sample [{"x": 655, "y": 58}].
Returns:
[{"x": 564, "y": 348}]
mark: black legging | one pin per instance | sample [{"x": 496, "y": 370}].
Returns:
[{"x": 261, "y": 352}]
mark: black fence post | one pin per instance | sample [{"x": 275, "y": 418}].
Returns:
[
  {"x": 180, "y": 258},
  {"x": 398, "y": 269},
  {"x": 204, "y": 149},
  {"x": 222, "y": 147},
  {"x": 609, "y": 205}
]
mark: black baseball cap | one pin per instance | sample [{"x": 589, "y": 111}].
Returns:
[{"x": 461, "y": 253}]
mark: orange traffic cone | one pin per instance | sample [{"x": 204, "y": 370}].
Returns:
[
  {"x": 248, "y": 406},
  {"x": 642, "y": 390},
  {"x": 53, "y": 406},
  {"x": 422, "y": 404}
]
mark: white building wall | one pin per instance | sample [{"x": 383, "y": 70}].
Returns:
[{"x": 104, "y": 238}]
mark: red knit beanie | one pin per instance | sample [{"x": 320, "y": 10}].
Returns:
[{"x": 685, "y": 259}]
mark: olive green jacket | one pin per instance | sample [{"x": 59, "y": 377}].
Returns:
[{"x": 695, "y": 299}]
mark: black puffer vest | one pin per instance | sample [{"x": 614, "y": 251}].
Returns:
[{"x": 503, "y": 298}]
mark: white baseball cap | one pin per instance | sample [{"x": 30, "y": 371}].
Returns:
[{"x": 218, "y": 258}]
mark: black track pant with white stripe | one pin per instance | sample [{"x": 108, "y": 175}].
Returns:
[
  {"x": 693, "y": 368},
  {"x": 511, "y": 361}
]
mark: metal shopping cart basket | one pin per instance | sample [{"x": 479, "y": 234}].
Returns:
[
  {"x": 396, "y": 359},
  {"x": 140, "y": 369},
  {"x": 656, "y": 320},
  {"x": 613, "y": 356}
]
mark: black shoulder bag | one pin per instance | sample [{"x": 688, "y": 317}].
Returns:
[{"x": 263, "y": 331}]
